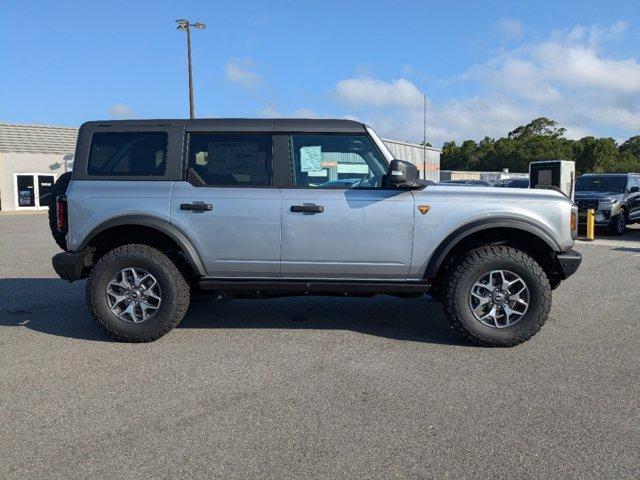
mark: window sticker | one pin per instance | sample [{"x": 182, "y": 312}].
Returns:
[{"x": 311, "y": 159}]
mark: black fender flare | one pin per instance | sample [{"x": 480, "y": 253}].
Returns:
[
  {"x": 441, "y": 252},
  {"x": 173, "y": 232}
]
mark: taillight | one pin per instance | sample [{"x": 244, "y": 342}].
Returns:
[
  {"x": 61, "y": 213},
  {"x": 573, "y": 224}
]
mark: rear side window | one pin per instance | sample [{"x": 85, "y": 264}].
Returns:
[
  {"x": 232, "y": 159},
  {"x": 128, "y": 154}
]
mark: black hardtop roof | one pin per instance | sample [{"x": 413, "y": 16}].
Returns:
[{"x": 304, "y": 125}]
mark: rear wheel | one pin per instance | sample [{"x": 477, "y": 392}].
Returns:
[
  {"x": 136, "y": 293},
  {"x": 59, "y": 188},
  {"x": 496, "y": 296}
]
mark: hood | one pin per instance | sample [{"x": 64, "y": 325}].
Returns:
[
  {"x": 466, "y": 193},
  {"x": 595, "y": 194}
]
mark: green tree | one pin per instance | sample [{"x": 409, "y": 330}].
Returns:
[
  {"x": 542, "y": 139},
  {"x": 539, "y": 127},
  {"x": 631, "y": 146}
]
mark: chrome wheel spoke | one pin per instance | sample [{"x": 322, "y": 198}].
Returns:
[
  {"x": 128, "y": 311},
  {"x": 147, "y": 309},
  {"x": 134, "y": 276}
]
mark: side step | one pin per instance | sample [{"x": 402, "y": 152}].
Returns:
[{"x": 314, "y": 286}]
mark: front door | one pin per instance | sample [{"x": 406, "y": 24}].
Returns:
[
  {"x": 228, "y": 206},
  {"x": 338, "y": 222}
]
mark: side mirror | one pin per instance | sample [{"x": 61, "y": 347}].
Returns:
[
  {"x": 634, "y": 190},
  {"x": 401, "y": 175}
]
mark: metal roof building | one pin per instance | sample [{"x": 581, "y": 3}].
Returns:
[
  {"x": 426, "y": 159},
  {"x": 31, "y": 159}
]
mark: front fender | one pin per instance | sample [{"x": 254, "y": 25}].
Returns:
[{"x": 460, "y": 233}]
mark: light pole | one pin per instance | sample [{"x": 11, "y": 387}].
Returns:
[{"x": 184, "y": 25}]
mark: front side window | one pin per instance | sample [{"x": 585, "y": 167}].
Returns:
[
  {"x": 337, "y": 161},
  {"x": 128, "y": 154},
  {"x": 232, "y": 159}
]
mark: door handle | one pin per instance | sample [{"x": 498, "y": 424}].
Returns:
[
  {"x": 307, "y": 208},
  {"x": 196, "y": 207}
]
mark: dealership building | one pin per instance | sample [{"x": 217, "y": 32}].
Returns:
[{"x": 32, "y": 157}]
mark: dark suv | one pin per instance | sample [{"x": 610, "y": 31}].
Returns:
[{"x": 615, "y": 197}]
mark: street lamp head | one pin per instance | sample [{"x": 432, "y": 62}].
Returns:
[{"x": 199, "y": 25}]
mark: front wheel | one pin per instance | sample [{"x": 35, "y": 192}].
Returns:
[
  {"x": 618, "y": 224},
  {"x": 136, "y": 293},
  {"x": 496, "y": 296}
]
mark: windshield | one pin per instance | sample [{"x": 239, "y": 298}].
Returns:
[{"x": 595, "y": 183}]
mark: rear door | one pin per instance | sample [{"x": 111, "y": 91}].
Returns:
[
  {"x": 228, "y": 206},
  {"x": 338, "y": 222}
]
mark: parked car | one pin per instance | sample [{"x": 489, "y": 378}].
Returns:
[
  {"x": 513, "y": 183},
  {"x": 615, "y": 197},
  {"x": 155, "y": 209}
]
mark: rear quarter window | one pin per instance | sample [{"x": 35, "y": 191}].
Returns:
[{"x": 128, "y": 154}]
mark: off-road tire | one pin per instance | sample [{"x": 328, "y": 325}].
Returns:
[
  {"x": 174, "y": 287},
  {"x": 618, "y": 224},
  {"x": 464, "y": 273},
  {"x": 59, "y": 188}
]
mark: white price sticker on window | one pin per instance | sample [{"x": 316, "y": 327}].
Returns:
[{"x": 310, "y": 159}]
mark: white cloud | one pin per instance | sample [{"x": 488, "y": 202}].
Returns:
[
  {"x": 120, "y": 110},
  {"x": 570, "y": 77},
  {"x": 368, "y": 91},
  {"x": 240, "y": 72},
  {"x": 512, "y": 29}
]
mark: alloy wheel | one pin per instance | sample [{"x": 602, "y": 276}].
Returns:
[
  {"x": 134, "y": 295},
  {"x": 499, "y": 299}
]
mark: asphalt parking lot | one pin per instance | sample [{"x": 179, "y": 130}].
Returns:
[{"x": 316, "y": 387}]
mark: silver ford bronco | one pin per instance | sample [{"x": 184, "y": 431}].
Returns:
[{"x": 157, "y": 209}]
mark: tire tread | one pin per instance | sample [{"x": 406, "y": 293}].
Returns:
[
  {"x": 483, "y": 255},
  {"x": 161, "y": 261}
]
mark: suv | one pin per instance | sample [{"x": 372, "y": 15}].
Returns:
[
  {"x": 157, "y": 209},
  {"x": 615, "y": 197}
]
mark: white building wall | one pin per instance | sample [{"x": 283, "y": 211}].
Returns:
[{"x": 43, "y": 163}]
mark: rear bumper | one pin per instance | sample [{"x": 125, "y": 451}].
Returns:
[
  {"x": 568, "y": 262},
  {"x": 70, "y": 265}
]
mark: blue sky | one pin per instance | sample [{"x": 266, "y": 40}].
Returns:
[{"x": 485, "y": 66}]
